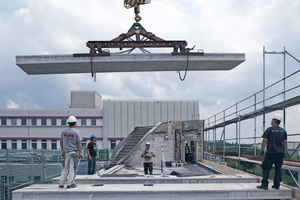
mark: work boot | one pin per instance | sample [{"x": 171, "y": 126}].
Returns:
[
  {"x": 60, "y": 186},
  {"x": 275, "y": 187},
  {"x": 71, "y": 186},
  {"x": 262, "y": 187}
]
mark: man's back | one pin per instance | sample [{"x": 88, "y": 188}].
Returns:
[
  {"x": 276, "y": 136},
  {"x": 70, "y": 137}
]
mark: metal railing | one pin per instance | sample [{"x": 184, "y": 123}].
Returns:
[
  {"x": 250, "y": 108},
  {"x": 21, "y": 168}
]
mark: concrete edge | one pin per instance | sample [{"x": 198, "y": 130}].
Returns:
[{"x": 225, "y": 169}]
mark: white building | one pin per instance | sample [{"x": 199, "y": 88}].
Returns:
[{"x": 41, "y": 128}]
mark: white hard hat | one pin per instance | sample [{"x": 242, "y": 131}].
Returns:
[
  {"x": 147, "y": 143},
  {"x": 278, "y": 117},
  {"x": 71, "y": 119}
]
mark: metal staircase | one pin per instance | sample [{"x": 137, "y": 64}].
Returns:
[{"x": 130, "y": 142}]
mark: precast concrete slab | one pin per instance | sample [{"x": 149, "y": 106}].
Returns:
[
  {"x": 157, "y": 191},
  {"x": 208, "y": 179},
  {"x": 67, "y": 64}
]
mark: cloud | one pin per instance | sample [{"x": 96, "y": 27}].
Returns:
[
  {"x": 62, "y": 27},
  {"x": 12, "y": 104}
]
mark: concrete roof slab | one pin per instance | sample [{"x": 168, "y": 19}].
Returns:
[{"x": 67, "y": 64}]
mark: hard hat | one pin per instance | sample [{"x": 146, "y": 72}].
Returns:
[
  {"x": 147, "y": 143},
  {"x": 278, "y": 117},
  {"x": 71, "y": 119},
  {"x": 93, "y": 136}
]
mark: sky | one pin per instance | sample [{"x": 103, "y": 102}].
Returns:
[{"x": 32, "y": 27}]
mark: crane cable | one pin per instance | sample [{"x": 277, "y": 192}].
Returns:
[
  {"x": 186, "y": 68},
  {"x": 92, "y": 69}
]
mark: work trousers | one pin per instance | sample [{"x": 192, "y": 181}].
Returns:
[
  {"x": 186, "y": 157},
  {"x": 70, "y": 164},
  {"x": 91, "y": 165},
  {"x": 148, "y": 166},
  {"x": 269, "y": 160}
]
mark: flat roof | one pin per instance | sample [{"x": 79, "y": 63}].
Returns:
[{"x": 69, "y": 64}]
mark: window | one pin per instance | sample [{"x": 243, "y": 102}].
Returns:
[
  {"x": 83, "y": 143},
  {"x": 23, "y": 121},
  {"x": 93, "y": 122},
  {"x": 44, "y": 122},
  {"x": 63, "y": 122},
  {"x": 33, "y": 122},
  {"x": 4, "y": 144},
  {"x": 112, "y": 144},
  {"x": 53, "y": 122},
  {"x": 14, "y": 144},
  {"x": 83, "y": 122},
  {"x": 34, "y": 144},
  {"x": 14, "y": 121},
  {"x": 24, "y": 144},
  {"x": 54, "y": 144},
  {"x": 44, "y": 144},
  {"x": 3, "y": 121}
]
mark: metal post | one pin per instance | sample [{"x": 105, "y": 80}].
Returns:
[
  {"x": 224, "y": 142},
  {"x": 239, "y": 142},
  {"x": 208, "y": 134},
  {"x": 32, "y": 170},
  {"x": 254, "y": 126},
  {"x": 284, "y": 75},
  {"x": 264, "y": 88},
  {"x": 7, "y": 175},
  {"x": 43, "y": 166},
  {"x": 236, "y": 134},
  {"x": 214, "y": 137}
]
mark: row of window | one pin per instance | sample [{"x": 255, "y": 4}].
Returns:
[
  {"x": 45, "y": 121},
  {"x": 26, "y": 143},
  {"x": 41, "y": 144}
]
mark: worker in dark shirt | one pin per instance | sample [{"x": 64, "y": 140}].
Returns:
[
  {"x": 187, "y": 152},
  {"x": 92, "y": 152},
  {"x": 275, "y": 138}
]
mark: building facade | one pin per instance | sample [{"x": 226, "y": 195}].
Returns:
[{"x": 112, "y": 122}]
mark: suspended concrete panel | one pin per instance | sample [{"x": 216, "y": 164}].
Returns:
[{"x": 67, "y": 64}]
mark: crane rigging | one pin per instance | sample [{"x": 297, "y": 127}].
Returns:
[
  {"x": 143, "y": 38},
  {"x": 136, "y": 5}
]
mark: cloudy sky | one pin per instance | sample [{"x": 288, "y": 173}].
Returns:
[{"x": 34, "y": 27}]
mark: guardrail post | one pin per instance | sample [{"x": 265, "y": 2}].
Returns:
[
  {"x": 254, "y": 126},
  {"x": 32, "y": 170},
  {"x": 7, "y": 175},
  {"x": 239, "y": 142},
  {"x": 224, "y": 141},
  {"x": 236, "y": 133},
  {"x": 43, "y": 166}
]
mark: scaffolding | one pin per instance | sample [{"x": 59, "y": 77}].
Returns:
[{"x": 260, "y": 105}]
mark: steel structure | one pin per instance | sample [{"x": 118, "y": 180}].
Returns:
[
  {"x": 241, "y": 113},
  {"x": 143, "y": 39}
]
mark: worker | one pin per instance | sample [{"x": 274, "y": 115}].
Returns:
[
  {"x": 148, "y": 154},
  {"x": 71, "y": 151},
  {"x": 187, "y": 152},
  {"x": 92, "y": 152},
  {"x": 275, "y": 138}
]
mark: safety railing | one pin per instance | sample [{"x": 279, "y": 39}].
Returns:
[
  {"x": 21, "y": 168},
  {"x": 269, "y": 99},
  {"x": 267, "y": 96}
]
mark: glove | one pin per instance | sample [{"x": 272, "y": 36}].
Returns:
[
  {"x": 62, "y": 154},
  {"x": 80, "y": 155},
  {"x": 262, "y": 153}
]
